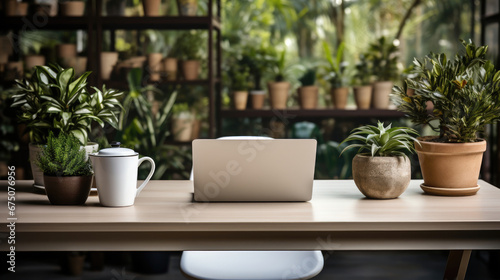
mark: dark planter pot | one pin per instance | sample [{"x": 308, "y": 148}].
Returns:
[
  {"x": 115, "y": 7},
  {"x": 67, "y": 190},
  {"x": 150, "y": 262}
]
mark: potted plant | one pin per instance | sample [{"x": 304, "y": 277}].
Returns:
[
  {"x": 384, "y": 58},
  {"x": 33, "y": 58},
  {"x": 239, "y": 85},
  {"x": 115, "y": 7},
  {"x": 156, "y": 44},
  {"x": 385, "y": 171},
  {"x": 187, "y": 7},
  {"x": 54, "y": 100},
  {"x": 109, "y": 58},
  {"x": 337, "y": 75},
  {"x": 465, "y": 92},
  {"x": 279, "y": 87},
  {"x": 182, "y": 122},
  {"x": 361, "y": 81},
  {"x": 67, "y": 171},
  {"x": 66, "y": 52},
  {"x": 188, "y": 48},
  {"x": 258, "y": 59},
  {"x": 308, "y": 92},
  {"x": 72, "y": 8}
]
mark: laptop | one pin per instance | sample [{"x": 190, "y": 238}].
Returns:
[{"x": 253, "y": 170}]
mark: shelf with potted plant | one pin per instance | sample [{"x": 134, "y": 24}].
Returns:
[{"x": 312, "y": 113}]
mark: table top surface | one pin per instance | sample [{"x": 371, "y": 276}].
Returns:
[{"x": 337, "y": 205}]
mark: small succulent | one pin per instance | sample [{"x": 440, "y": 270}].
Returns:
[{"x": 383, "y": 141}]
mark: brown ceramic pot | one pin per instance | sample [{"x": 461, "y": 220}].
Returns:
[
  {"x": 151, "y": 7},
  {"x": 450, "y": 168},
  {"x": 191, "y": 69},
  {"x": 31, "y": 61},
  {"x": 170, "y": 68},
  {"x": 363, "y": 96},
  {"x": 381, "y": 93},
  {"x": 67, "y": 190},
  {"x": 339, "y": 97},
  {"x": 108, "y": 61},
  {"x": 258, "y": 97},
  {"x": 240, "y": 98},
  {"x": 154, "y": 66},
  {"x": 72, "y": 8},
  {"x": 278, "y": 93},
  {"x": 308, "y": 97},
  {"x": 381, "y": 177}
]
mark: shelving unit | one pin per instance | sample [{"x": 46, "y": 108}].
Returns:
[{"x": 95, "y": 24}]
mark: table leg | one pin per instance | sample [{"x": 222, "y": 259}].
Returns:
[{"x": 456, "y": 267}]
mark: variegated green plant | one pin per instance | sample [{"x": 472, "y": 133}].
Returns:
[
  {"x": 53, "y": 99},
  {"x": 383, "y": 141},
  {"x": 465, "y": 93}
]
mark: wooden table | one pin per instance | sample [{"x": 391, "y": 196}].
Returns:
[{"x": 337, "y": 218}]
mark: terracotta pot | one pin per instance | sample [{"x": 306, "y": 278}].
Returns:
[
  {"x": 308, "y": 97},
  {"x": 258, "y": 97},
  {"x": 151, "y": 7},
  {"x": 381, "y": 177},
  {"x": 4, "y": 58},
  {"x": 31, "y": 61},
  {"x": 72, "y": 8},
  {"x": 10, "y": 8},
  {"x": 339, "y": 97},
  {"x": 14, "y": 70},
  {"x": 240, "y": 98},
  {"x": 450, "y": 168},
  {"x": 363, "y": 96},
  {"x": 67, "y": 190},
  {"x": 182, "y": 129},
  {"x": 191, "y": 69},
  {"x": 187, "y": 7},
  {"x": 22, "y": 8},
  {"x": 108, "y": 61},
  {"x": 278, "y": 93},
  {"x": 66, "y": 50},
  {"x": 154, "y": 66},
  {"x": 195, "y": 130},
  {"x": 170, "y": 68},
  {"x": 79, "y": 63},
  {"x": 381, "y": 93}
]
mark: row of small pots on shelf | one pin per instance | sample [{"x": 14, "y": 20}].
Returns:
[
  {"x": 366, "y": 97},
  {"x": 155, "y": 64},
  {"x": 66, "y": 56},
  {"x": 67, "y": 8}
]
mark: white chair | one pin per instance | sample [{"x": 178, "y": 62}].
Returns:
[{"x": 257, "y": 265}]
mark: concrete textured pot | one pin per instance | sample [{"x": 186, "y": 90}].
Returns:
[
  {"x": 381, "y": 93},
  {"x": 240, "y": 98},
  {"x": 339, "y": 97},
  {"x": 258, "y": 97},
  {"x": 182, "y": 128},
  {"x": 308, "y": 97},
  {"x": 363, "y": 96},
  {"x": 278, "y": 93},
  {"x": 67, "y": 190},
  {"x": 450, "y": 169},
  {"x": 381, "y": 177}
]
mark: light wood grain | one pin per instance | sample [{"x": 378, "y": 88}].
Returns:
[{"x": 338, "y": 217}]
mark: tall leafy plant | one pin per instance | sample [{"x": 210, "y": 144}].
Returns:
[
  {"x": 465, "y": 92},
  {"x": 146, "y": 130},
  {"x": 54, "y": 100},
  {"x": 337, "y": 71},
  {"x": 384, "y": 56}
]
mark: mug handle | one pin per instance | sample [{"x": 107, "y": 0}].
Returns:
[{"x": 141, "y": 160}]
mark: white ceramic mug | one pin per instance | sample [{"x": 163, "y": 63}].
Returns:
[{"x": 115, "y": 171}]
